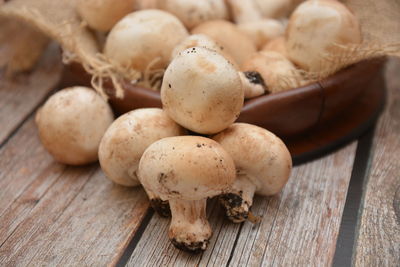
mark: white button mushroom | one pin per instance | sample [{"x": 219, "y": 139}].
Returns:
[
  {"x": 253, "y": 84},
  {"x": 274, "y": 8},
  {"x": 262, "y": 31},
  {"x": 125, "y": 141},
  {"x": 71, "y": 124},
  {"x": 196, "y": 40},
  {"x": 244, "y": 11},
  {"x": 202, "y": 91},
  {"x": 186, "y": 170},
  {"x": 195, "y": 12},
  {"x": 128, "y": 137},
  {"x": 143, "y": 38},
  {"x": 102, "y": 15},
  {"x": 233, "y": 41},
  {"x": 314, "y": 29},
  {"x": 263, "y": 166},
  {"x": 278, "y": 72},
  {"x": 276, "y": 45}
]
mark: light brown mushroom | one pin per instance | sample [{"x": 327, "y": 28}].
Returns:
[
  {"x": 71, "y": 124},
  {"x": 185, "y": 171},
  {"x": 274, "y": 8},
  {"x": 244, "y": 11},
  {"x": 202, "y": 91},
  {"x": 315, "y": 29},
  {"x": 102, "y": 15},
  {"x": 196, "y": 40},
  {"x": 125, "y": 141},
  {"x": 233, "y": 41},
  {"x": 195, "y": 12},
  {"x": 263, "y": 166},
  {"x": 278, "y": 73},
  {"x": 144, "y": 38},
  {"x": 262, "y": 31},
  {"x": 276, "y": 45}
]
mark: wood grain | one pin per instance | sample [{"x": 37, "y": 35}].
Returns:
[
  {"x": 22, "y": 93},
  {"x": 52, "y": 214},
  {"x": 378, "y": 241},
  {"x": 298, "y": 227}
]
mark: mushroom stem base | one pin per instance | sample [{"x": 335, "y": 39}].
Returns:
[
  {"x": 237, "y": 203},
  {"x": 189, "y": 229},
  {"x": 160, "y": 206}
]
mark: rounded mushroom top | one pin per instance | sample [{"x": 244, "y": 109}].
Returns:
[
  {"x": 186, "y": 167},
  {"x": 102, "y": 15},
  {"x": 196, "y": 40},
  {"x": 128, "y": 137},
  {"x": 315, "y": 27},
  {"x": 233, "y": 41},
  {"x": 71, "y": 124},
  {"x": 202, "y": 91},
  {"x": 259, "y": 155},
  {"x": 194, "y": 12},
  {"x": 144, "y": 37}
]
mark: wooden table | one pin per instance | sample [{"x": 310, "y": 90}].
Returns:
[{"x": 343, "y": 208}]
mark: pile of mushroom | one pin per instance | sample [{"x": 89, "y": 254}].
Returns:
[{"x": 192, "y": 149}]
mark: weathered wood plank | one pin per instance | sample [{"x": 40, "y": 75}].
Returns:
[
  {"x": 95, "y": 228},
  {"x": 378, "y": 241},
  {"x": 53, "y": 214},
  {"x": 21, "y": 94},
  {"x": 23, "y": 163},
  {"x": 299, "y": 226}
]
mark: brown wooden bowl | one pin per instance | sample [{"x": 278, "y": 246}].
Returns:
[{"x": 355, "y": 93}]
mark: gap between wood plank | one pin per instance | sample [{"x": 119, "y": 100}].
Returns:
[
  {"x": 135, "y": 240},
  {"x": 351, "y": 212}
]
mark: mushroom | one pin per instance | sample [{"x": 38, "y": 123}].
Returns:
[
  {"x": 233, "y": 41},
  {"x": 125, "y": 141},
  {"x": 278, "y": 72},
  {"x": 262, "y": 31},
  {"x": 195, "y": 12},
  {"x": 253, "y": 84},
  {"x": 196, "y": 40},
  {"x": 244, "y": 11},
  {"x": 276, "y": 45},
  {"x": 202, "y": 91},
  {"x": 315, "y": 29},
  {"x": 263, "y": 166},
  {"x": 186, "y": 170},
  {"x": 143, "y": 39},
  {"x": 274, "y": 8},
  {"x": 102, "y": 15},
  {"x": 71, "y": 124}
]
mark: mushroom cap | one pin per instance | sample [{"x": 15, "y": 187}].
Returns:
[
  {"x": 102, "y": 15},
  {"x": 233, "y": 41},
  {"x": 274, "y": 8},
  {"x": 142, "y": 37},
  {"x": 71, "y": 124},
  {"x": 262, "y": 31},
  {"x": 194, "y": 12},
  {"x": 202, "y": 91},
  {"x": 128, "y": 137},
  {"x": 186, "y": 167},
  {"x": 276, "y": 70},
  {"x": 259, "y": 155},
  {"x": 196, "y": 40},
  {"x": 276, "y": 45},
  {"x": 315, "y": 27}
]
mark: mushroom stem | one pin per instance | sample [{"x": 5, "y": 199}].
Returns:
[
  {"x": 253, "y": 84},
  {"x": 160, "y": 206},
  {"x": 237, "y": 203},
  {"x": 189, "y": 229}
]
